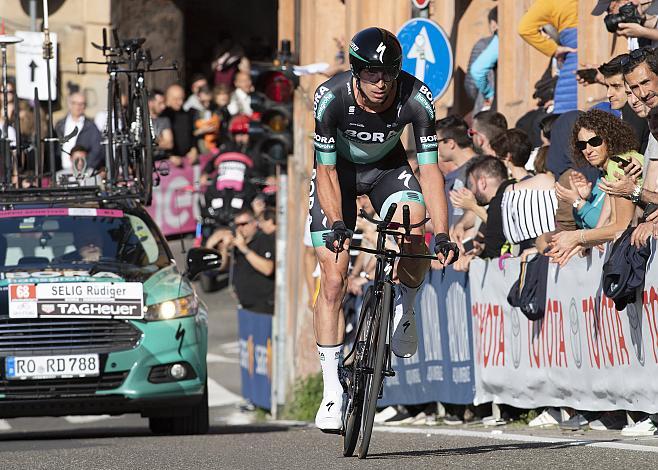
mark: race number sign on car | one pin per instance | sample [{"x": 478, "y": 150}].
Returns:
[{"x": 76, "y": 299}]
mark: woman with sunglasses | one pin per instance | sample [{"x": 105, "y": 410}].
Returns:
[{"x": 605, "y": 142}]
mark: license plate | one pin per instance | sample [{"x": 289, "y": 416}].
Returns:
[{"x": 51, "y": 367}]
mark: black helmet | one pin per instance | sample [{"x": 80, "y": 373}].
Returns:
[{"x": 377, "y": 49}]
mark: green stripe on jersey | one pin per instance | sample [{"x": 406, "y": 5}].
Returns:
[
  {"x": 428, "y": 158},
  {"x": 326, "y": 158},
  {"x": 317, "y": 238}
]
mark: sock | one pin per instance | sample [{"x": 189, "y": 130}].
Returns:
[
  {"x": 330, "y": 358},
  {"x": 404, "y": 302}
]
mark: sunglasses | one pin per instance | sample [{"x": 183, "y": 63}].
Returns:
[
  {"x": 637, "y": 54},
  {"x": 374, "y": 75},
  {"x": 595, "y": 141}
]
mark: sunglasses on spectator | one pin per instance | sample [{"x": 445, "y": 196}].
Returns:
[
  {"x": 375, "y": 75},
  {"x": 595, "y": 141},
  {"x": 637, "y": 54}
]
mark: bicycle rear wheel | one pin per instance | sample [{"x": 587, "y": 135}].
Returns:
[
  {"x": 375, "y": 362},
  {"x": 354, "y": 407},
  {"x": 146, "y": 162}
]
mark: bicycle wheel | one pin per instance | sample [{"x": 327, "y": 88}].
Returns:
[
  {"x": 355, "y": 386},
  {"x": 375, "y": 361},
  {"x": 146, "y": 162}
]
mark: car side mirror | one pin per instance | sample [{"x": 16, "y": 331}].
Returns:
[{"x": 201, "y": 259}]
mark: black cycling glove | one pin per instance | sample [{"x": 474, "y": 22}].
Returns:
[
  {"x": 340, "y": 233},
  {"x": 443, "y": 245}
]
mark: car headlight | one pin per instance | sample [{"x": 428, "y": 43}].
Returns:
[{"x": 182, "y": 307}]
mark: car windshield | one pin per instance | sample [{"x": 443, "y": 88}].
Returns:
[{"x": 35, "y": 239}]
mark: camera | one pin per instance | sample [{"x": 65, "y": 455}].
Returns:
[{"x": 627, "y": 14}]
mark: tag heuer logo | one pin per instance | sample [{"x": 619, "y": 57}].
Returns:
[{"x": 48, "y": 308}]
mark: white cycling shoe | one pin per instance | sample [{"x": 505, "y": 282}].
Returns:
[
  {"x": 329, "y": 417},
  {"x": 405, "y": 337}
]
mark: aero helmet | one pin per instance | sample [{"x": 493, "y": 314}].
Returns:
[{"x": 375, "y": 49}]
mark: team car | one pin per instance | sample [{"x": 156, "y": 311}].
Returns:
[{"x": 95, "y": 315}]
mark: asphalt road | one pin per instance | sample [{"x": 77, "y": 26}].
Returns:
[{"x": 235, "y": 441}]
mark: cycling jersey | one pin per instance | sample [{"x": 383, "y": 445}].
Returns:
[
  {"x": 366, "y": 147},
  {"x": 343, "y": 129}
]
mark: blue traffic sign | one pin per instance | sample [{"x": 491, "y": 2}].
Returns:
[{"x": 426, "y": 54}]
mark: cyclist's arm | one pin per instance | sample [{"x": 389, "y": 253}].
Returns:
[
  {"x": 328, "y": 187},
  {"x": 431, "y": 178}
]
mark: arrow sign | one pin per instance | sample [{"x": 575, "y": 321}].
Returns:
[
  {"x": 427, "y": 54},
  {"x": 422, "y": 52},
  {"x": 32, "y": 66}
]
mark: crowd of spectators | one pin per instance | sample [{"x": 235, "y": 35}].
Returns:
[{"x": 213, "y": 128}]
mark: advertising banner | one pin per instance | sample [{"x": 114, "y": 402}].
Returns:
[
  {"x": 175, "y": 206},
  {"x": 255, "y": 332},
  {"x": 442, "y": 369},
  {"x": 583, "y": 354}
]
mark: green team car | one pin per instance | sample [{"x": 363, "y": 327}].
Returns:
[{"x": 95, "y": 316}]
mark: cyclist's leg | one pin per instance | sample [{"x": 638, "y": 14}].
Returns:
[
  {"x": 329, "y": 323},
  {"x": 399, "y": 185}
]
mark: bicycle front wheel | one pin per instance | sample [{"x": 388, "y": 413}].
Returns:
[
  {"x": 355, "y": 385},
  {"x": 375, "y": 361}
]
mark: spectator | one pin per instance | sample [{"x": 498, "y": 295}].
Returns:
[
  {"x": 221, "y": 98},
  {"x": 455, "y": 146},
  {"x": 88, "y": 134},
  {"x": 482, "y": 69},
  {"x": 80, "y": 172},
  {"x": 563, "y": 15},
  {"x": 267, "y": 223},
  {"x": 597, "y": 136},
  {"x": 193, "y": 102},
  {"x": 513, "y": 148},
  {"x": 161, "y": 125},
  {"x": 181, "y": 125},
  {"x": 639, "y": 35},
  {"x": 487, "y": 125},
  {"x": 229, "y": 59},
  {"x": 641, "y": 74},
  {"x": 487, "y": 179},
  {"x": 253, "y": 264},
  {"x": 206, "y": 122},
  {"x": 241, "y": 102},
  {"x": 613, "y": 79}
]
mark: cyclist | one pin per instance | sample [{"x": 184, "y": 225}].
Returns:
[{"x": 359, "y": 116}]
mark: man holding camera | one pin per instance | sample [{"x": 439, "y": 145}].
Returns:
[{"x": 633, "y": 19}]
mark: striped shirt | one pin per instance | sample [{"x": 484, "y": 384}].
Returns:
[{"x": 527, "y": 213}]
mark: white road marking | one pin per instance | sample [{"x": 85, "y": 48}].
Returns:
[
  {"x": 4, "y": 425},
  {"x": 86, "y": 419},
  {"x": 213, "y": 358},
  {"x": 232, "y": 347},
  {"x": 520, "y": 437},
  {"x": 219, "y": 396}
]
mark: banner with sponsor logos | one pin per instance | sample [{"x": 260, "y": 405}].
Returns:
[
  {"x": 583, "y": 354},
  {"x": 442, "y": 369},
  {"x": 255, "y": 333}
]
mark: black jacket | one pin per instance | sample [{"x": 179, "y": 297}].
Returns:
[
  {"x": 90, "y": 138},
  {"x": 625, "y": 270}
]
